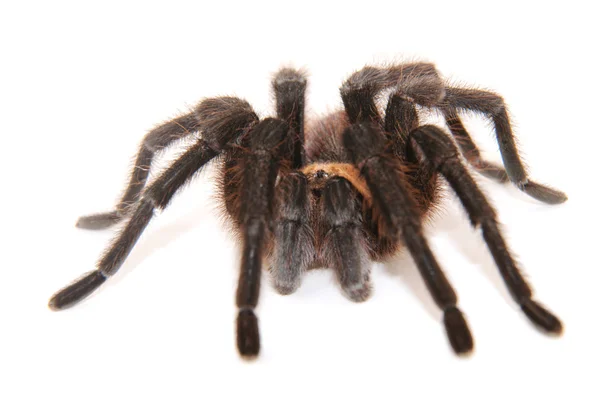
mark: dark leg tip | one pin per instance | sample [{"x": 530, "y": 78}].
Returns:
[
  {"x": 248, "y": 340},
  {"x": 98, "y": 221},
  {"x": 76, "y": 291},
  {"x": 53, "y": 304},
  {"x": 541, "y": 317},
  {"x": 543, "y": 193},
  {"x": 458, "y": 332}
]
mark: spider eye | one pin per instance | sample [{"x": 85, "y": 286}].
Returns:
[{"x": 320, "y": 174}]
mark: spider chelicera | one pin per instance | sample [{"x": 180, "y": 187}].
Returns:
[{"x": 347, "y": 189}]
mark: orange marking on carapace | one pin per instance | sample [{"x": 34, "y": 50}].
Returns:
[{"x": 343, "y": 170}]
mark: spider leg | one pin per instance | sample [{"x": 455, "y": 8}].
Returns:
[
  {"x": 470, "y": 150},
  {"x": 214, "y": 114},
  {"x": 401, "y": 118},
  {"x": 493, "y": 107},
  {"x": 399, "y": 219},
  {"x": 344, "y": 247},
  {"x": 441, "y": 152},
  {"x": 422, "y": 84},
  {"x": 294, "y": 238},
  {"x": 157, "y": 195},
  {"x": 417, "y": 81},
  {"x": 221, "y": 125},
  {"x": 413, "y": 83},
  {"x": 158, "y": 138},
  {"x": 261, "y": 165},
  {"x": 289, "y": 87}
]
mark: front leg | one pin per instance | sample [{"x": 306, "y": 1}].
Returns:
[
  {"x": 400, "y": 220},
  {"x": 289, "y": 87},
  {"x": 439, "y": 150},
  {"x": 260, "y": 165},
  {"x": 157, "y": 195}
]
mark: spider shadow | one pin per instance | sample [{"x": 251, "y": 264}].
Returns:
[
  {"x": 160, "y": 237},
  {"x": 404, "y": 268},
  {"x": 453, "y": 225}
]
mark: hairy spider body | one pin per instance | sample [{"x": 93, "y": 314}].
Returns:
[{"x": 342, "y": 191}]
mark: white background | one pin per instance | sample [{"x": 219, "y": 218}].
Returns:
[{"x": 81, "y": 84}]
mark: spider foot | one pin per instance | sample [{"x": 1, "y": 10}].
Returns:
[
  {"x": 458, "y": 331},
  {"x": 543, "y": 193},
  {"x": 99, "y": 221},
  {"x": 248, "y": 340},
  {"x": 76, "y": 291},
  {"x": 541, "y": 317}
]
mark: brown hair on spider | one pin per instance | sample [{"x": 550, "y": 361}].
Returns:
[{"x": 339, "y": 192}]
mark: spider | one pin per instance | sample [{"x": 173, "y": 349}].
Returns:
[{"x": 339, "y": 192}]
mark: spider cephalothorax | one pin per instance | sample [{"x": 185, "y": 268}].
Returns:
[{"x": 347, "y": 189}]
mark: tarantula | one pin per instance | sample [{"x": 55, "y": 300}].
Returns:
[{"x": 347, "y": 189}]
